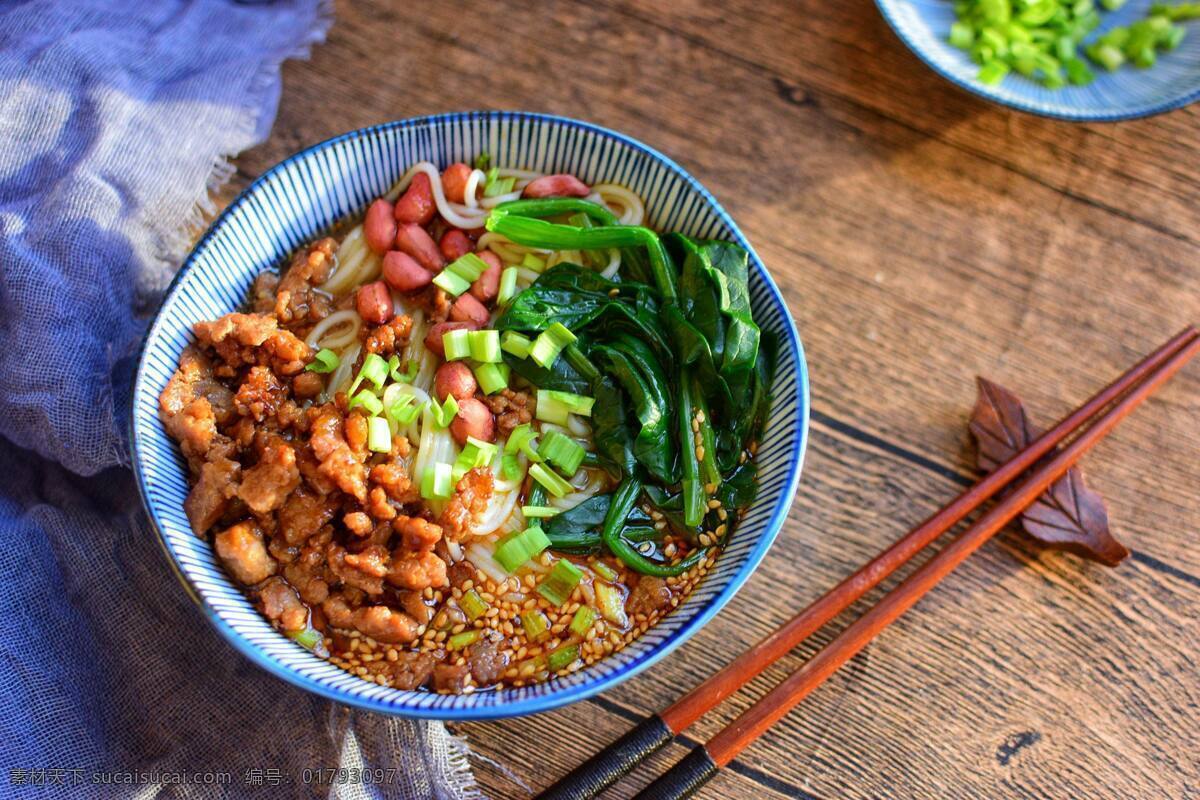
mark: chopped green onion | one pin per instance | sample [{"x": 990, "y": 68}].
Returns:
[
  {"x": 533, "y": 262},
  {"x": 553, "y": 405},
  {"x": 468, "y": 266},
  {"x": 562, "y": 658},
  {"x": 368, "y": 400},
  {"x": 308, "y": 638},
  {"x": 535, "y": 624},
  {"x": 491, "y": 377},
  {"x": 406, "y": 416},
  {"x": 548, "y": 478},
  {"x": 1043, "y": 39},
  {"x": 379, "y": 435},
  {"x": 485, "y": 345},
  {"x": 400, "y": 407},
  {"x": 436, "y": 482},
  {"x": 561, "y": 451},
  {"x": 483, "y": 160},
  {"x": 451, "y": 283},
  {"x": 516, "y": 344},
  {"x": 582, "y": 622},
  {"x": 557, "y": 586},
  {"x": 550, "y": 343},
  {"x": 457, "y": 344},
  {"x": 460, "y": 640},
  {"x": 374, "y": 369},
  {"x": 516, "y": 549},
  {"x": 474, "y": 454},
  {"x": 1173, "y": 37},
  {"x": 605, "y": 571},
  {"x": 610, "y": 603},
  {"x": 992, "y": 72},
  {"x": 499, "y": 186},
  {"x": 538, "y": 512},
  {"x": 411, "y": 368},
  {"x": 551, "y": 410},
  {"x": 324, "y": 361},
  {"x": 962, "y": 36},
  {"x": 521, "y": 439},
  {"x": 444, "y": 414},
  {"x": 508, "y": 285},
  {"x": 1179, "y": 12},
  {"x": 460, "y": 274},
  {"x": 1078, "y": 72},
  {"x": 510, "y": 468},
  {"x": 473, "y": 605},
  {"x": 1106, "y": 55}
]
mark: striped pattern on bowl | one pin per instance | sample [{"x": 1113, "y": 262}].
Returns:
[
  {"x": 1173, "y": 82},
  {"x": 303, "y": 197}
]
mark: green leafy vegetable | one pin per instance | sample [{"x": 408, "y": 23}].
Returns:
[
  {"x": 634, "y": 367},
  {"x": 556, "y": 206},
  {"x": 622, "y": 503}
]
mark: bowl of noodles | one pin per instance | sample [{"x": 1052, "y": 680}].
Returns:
[{"x": 469, "y": 416}]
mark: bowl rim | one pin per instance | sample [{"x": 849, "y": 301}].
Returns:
[
  {"x": 1060, "y": 113},
  {"x": 539, "y": 703}
]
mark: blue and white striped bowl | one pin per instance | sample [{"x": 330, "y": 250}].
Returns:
[
  {"x": 1173, "y": 82},
  {"x": 309, "y": 192}
]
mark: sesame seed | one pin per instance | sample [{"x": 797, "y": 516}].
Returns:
[
  {"x": 699, "y": 452},
  {"x": 714, "y": 503}
]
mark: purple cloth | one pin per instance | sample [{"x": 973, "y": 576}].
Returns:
[{"x": 116, "y": 120}]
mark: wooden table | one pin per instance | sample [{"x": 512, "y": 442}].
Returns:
[{"x": 921, "y": 236}]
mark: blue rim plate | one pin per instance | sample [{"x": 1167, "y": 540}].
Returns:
[
  {"x": 1128, "y": 93},
  {"x": 304, "y": 196}
]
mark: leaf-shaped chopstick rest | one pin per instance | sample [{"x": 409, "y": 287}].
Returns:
[{"x": 1069, "y": 516}]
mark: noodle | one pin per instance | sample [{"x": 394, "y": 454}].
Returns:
[
  {"x": 481, "y": 556},
  {"x": 509, "y": 252},
  {"x": 614, "y": 264},
  {"x": 578, "y": 427},
  {"x": 460, "y": 216},
  {"x": 348, "y": 263},
  {"x": 341, "y": 376},
  {"x": 594, "y": 483},
  {"x": 492, "y": 202},
  {"x": 499, "y": 509},
  {"x": 476, "y": 178},
  {"x": 523, "y": 176},
  {"x": 633, "y": 211},
  {"x": 321, "y": 337}
]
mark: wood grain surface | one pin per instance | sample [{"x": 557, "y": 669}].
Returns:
[{"x": 921, "y": 237}]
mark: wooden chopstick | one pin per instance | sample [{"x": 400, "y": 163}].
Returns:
[
  {"x": 703, "y": 762},
  {"x": 601, "y": 771}
]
